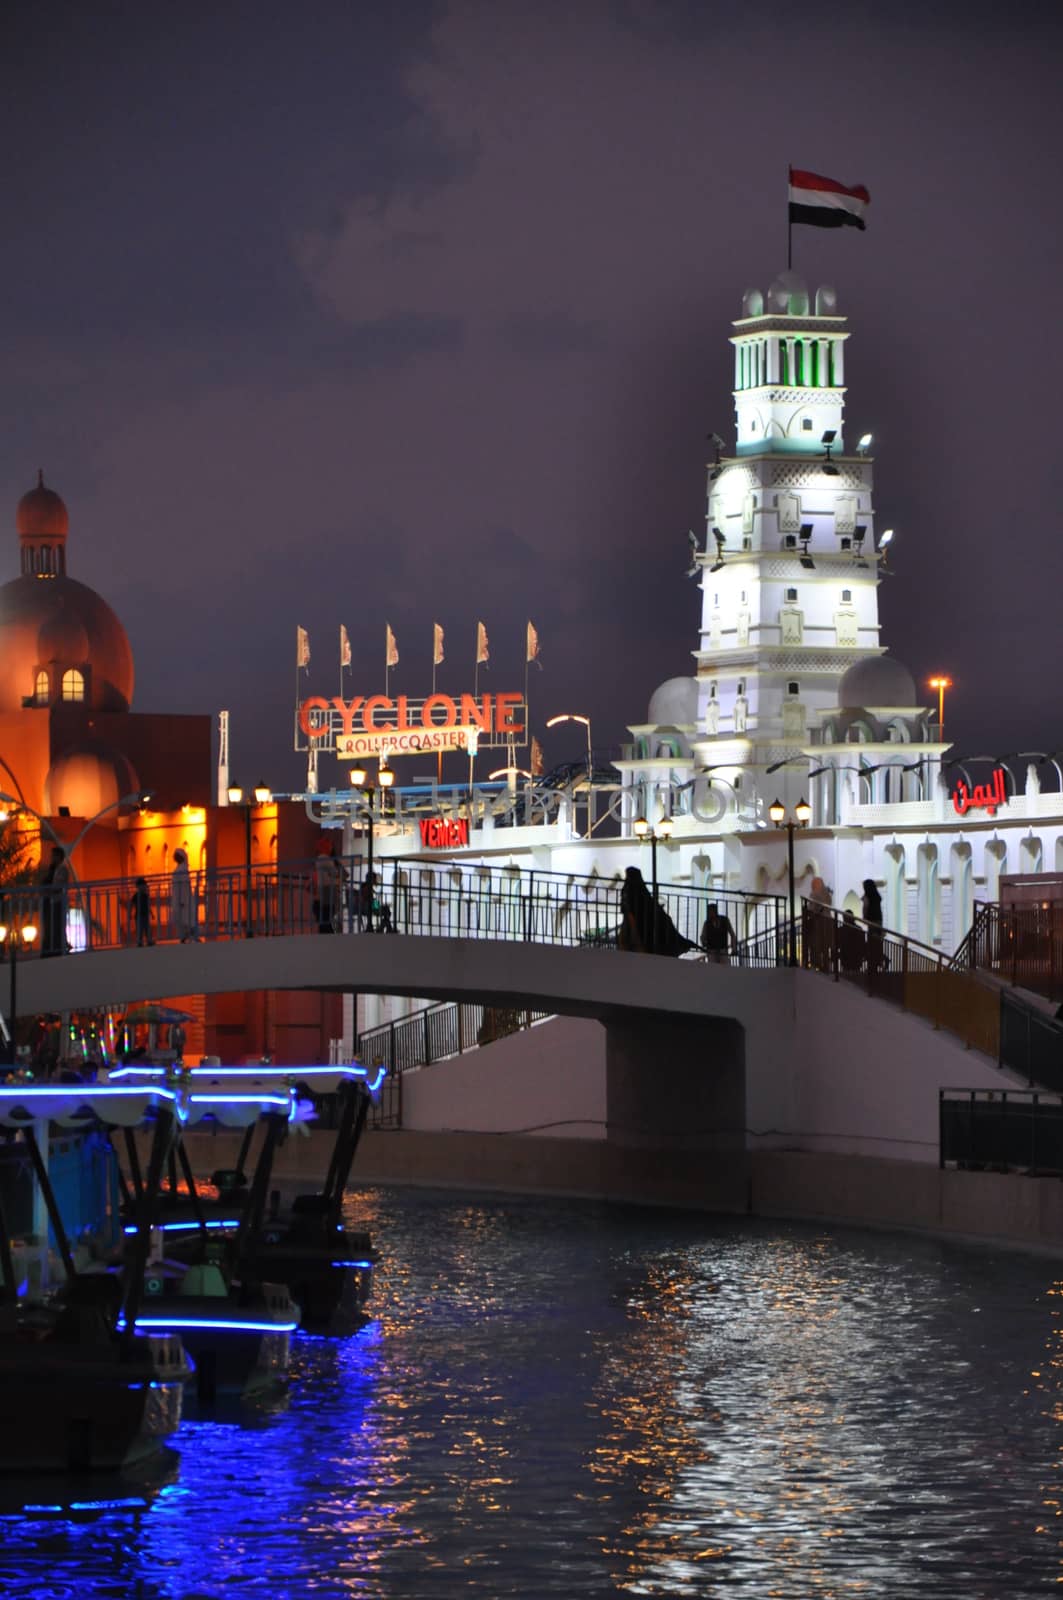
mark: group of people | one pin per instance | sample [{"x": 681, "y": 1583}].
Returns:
[
  {"x": 367, "y": 910},
  {"x": 646, "y": 926},
  {"x": 854, "y": 946}
]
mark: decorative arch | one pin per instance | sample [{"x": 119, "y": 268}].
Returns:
[
  {"x": 859, "y": 732},
  {"x": 996, "y": 861},
  {"x": 961, "y": 871},
  {"x": 895, "y": 910},
  {"x": 1031, "y": 854},
  {"x": 928, "y": 885}
]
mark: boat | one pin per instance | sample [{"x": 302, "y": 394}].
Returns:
[
  {"x": 235, "y": 1322},
  {"x": 82, "y": 1389},
  {"x": 303, "y": 1242}
]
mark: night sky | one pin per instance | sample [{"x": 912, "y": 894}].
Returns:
[{"x": 350, "y": 312}]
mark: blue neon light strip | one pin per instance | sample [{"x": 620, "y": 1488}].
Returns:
[
  {"x": 364, "y": 1264},
  {"x": 220, "y": 1324},
  {"x": 138, "y": 1072},
  {"x": 283, "y": 1102},
  {"x": 85, "y": 1093},
  {"x": 348, "y": 1070},
  {"x": 185, "y": 1227}
]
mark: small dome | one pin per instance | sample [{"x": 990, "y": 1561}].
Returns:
[
  {"x": 41, "y": 514},
  {"x": 675, "y": 703},
  {"x": 86, "y": 779},
  {"x": 877, "y": 681}
]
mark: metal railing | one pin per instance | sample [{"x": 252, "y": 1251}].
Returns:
[
  {"x": 894, "y": 967},
  {"x": 439, "y": 1032},
  {"x": 1031, "y": 1042},
  {"x": 1013, "y": 1131},
  {"x": 1017, "y": 944},
  {"x": 450, "y": 900}
]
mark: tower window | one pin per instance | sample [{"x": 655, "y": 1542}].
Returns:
[
  {"x": 847, "y": 597},
  {"x": 40, "y": 688},
  {"x": 73, "y": 686},
  {"x": 712, "y": 690},
  {"x": 753, "y": 426},
  {"x": 793, "y": 688},
  {"x": 742, "y": 597},
  {"x": 741, "y": 689},
  {"x": 806, "y": 423},
  {"x": 790, "y": 542},
  {"x": 847, "y": 544}
]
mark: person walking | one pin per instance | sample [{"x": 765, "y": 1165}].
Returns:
[
  {"x": 717, "y": 936},
  {"x": 871, "y": 911},
  {"x": 184, "y": 919},
  {"x": 140, "y": 909},
  {"x": 328, "y": 890},
  {"x": 55, "y": 882},
  {"x": 636, "y": 913}
]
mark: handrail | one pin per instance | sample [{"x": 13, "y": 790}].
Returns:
[
  {"x": 323, "y": 895},
  {"x": 1018, "y": 944},
  {"x": 893, "y": 966}
]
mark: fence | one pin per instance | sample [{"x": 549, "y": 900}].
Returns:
[
  {"x": 1017, "y": 944},
  {"x": 448, "y": 900},
  {"x": 893, "y": 967},
  {"x": 1016, "y": 1131}
]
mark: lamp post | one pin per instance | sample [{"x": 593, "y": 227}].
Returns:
[
  {"x": 367, "y": 794},
  {"x": 13, "y": 937},
  {"x": 574, "y": 716},
  {"x": 642, "y": 831},
  {"x": 800, "y": 819},
  {"x": 940, "y": 683},
  {"x": 260, "y": 795}
]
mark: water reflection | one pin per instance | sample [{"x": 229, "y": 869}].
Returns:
[{"x": 562, "y": 1400}]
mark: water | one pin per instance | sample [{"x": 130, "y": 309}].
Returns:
[{"x": 571, "y": 1400}]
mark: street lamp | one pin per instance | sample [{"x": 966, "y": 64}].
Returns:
[
  {"x": 800, "y": 819},
  {"x": 13, "y": 937},
  {"x": 940, "y": 683},
  {"x": 574, "y": 716},
  {"x": 260, "y": 795},
  {"x": 366, "y": 792},
  {"x": 642, "y": 830}
]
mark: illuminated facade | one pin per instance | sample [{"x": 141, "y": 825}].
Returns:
[{"x": 75, "y": 754}]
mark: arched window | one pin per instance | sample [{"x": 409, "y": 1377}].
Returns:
[
  {"x": 73, "y": 687},
  {"x": 40, "y": 688}
]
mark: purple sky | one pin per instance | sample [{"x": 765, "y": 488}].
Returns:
[{"x": 345, "y": 313}]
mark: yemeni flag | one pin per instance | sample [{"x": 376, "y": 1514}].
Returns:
[{"x": 825, "y": 203}]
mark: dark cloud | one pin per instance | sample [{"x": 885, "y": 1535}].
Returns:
[{"x": 349, "y": 313}]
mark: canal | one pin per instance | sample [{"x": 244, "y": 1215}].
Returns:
[{"x": 561, "y": 1399}]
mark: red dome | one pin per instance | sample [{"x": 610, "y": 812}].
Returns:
[
  {"x": 41, "y": 514},
  {"x": 56, "y": 615},
  {"x": 87, "y": 778}
]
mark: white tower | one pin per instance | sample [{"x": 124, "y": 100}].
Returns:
[{"x": 789, "y": 574}]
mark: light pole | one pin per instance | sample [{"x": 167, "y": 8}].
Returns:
[
  {"x": 13, "y": 937},
  {"x": 574, "y": 716},
  {"x": 642, "y": 831},
  {"x": 940, "y": 683},
  {"x": 260, "y": 795},
  {"x": 367, "y": 794},
  {"x": 800, "y": 819}
]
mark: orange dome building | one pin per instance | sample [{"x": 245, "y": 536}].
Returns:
[{"x": 77, "y": 758}]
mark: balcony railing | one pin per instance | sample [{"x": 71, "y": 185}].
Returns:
[{"x": 1021, "y": 945}]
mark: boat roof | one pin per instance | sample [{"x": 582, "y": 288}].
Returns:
[{"x": 122, "y": 1105}]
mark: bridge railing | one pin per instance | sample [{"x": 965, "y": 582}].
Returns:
[
  {"x": 448, "y": 899},
  {"x": 894, "y": 967},
  {"x": 1017, "y": 944},
  {"x": 1011, "y": 1131}
]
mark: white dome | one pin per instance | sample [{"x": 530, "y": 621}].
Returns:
[
  {"x": 877, "y": 681},
  {"x": 675, "y": 703}
]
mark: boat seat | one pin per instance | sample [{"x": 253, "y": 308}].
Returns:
[{"x": 206, "y": 1279}]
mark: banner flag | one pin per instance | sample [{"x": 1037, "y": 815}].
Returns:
[
  {"x": 391, "y": 649},
  {"x": 532, "y": 653},
  {"x": 302, "y": 648},
  {"x": 345, "y": 647},
  {"x": 536, "y": 758},
  {"x": 825, "y": 203},
  {"x": 437, "y": 644},
  {"x": 482, "y": 652}
]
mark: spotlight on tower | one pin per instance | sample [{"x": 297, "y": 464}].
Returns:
[
  {"x": 859, "y": 535},
  {"x": 865, "y": 444},
  {"x": 717, "y": 465},
  {"x": 886, "y": 538},
  {"x": 806, "y": 536}
]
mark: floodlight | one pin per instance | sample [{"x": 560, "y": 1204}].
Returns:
[
  {"x": 865, "y": 444},
  {"x": 829, "y": 437},
  {"x": 886, "y": 539}
]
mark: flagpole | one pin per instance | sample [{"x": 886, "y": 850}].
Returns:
[{"x": 789, "y": 224}]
